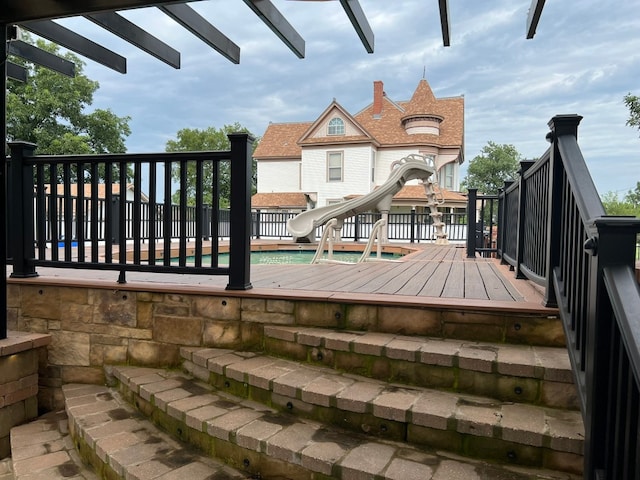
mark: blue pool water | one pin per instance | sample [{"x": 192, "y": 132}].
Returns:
[{"x": 277, "y": 257}]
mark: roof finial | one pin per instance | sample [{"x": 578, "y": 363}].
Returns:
[{"x": 424, "y": 72}]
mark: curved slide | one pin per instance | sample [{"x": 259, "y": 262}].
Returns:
[{"x": 303, "y": 226}]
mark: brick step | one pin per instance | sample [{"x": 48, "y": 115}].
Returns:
[
  {"x": 463, "y": 424},
  {"x": 512, "y": 373},
  {"x": 43, "y": 449},
  {"x": 267, "y": 444},
  {"x": 119, "y": 443}
]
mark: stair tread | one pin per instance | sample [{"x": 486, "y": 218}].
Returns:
[
  {"x": 521, "y": 423},
  {"x": 547, "y": 363},
  {"x": 306, "y": 443},
  {"x": 130, "y": 444},
  {"x": 43, "y": 449}
]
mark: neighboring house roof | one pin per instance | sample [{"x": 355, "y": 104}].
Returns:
[
  {"x": 386, "y": 129},
  {"x": 280, "y": 141},
  {"x": 102, "y": 189},
  {"x": 296, "y": 200},
  {"x": 416, "y": 192}
]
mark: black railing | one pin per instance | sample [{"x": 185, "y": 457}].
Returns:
[
  {"x": 96, "y": 229},
  {"x": 484, "y": 213},
  {"x": 554, "y": 231}
]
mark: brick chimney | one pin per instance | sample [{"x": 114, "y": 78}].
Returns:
[{"x": 378, "y": 93}]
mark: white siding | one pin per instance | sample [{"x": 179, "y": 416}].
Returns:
[
  {"x": 278, "y": 176},
  {"x": 386, "y": 157},
  {"x": 356, "y": 174}
]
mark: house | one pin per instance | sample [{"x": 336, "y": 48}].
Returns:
[{"x": 340, "y": 155}]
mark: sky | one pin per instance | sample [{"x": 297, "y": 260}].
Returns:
[{"x": 584, "y": 58}]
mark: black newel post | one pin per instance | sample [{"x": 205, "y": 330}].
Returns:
[
  {"x": 412, "y": 237},
  {"x": 560, "y": 125},
  {"x": 258, "y": 224},
  {"x": 240, "y": 212},
  {"x": 3, "y": 185},
  {"x": 471, "y": 222},
  {"x": 20, "y": 211}
]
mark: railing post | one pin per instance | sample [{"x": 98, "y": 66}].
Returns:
[
  {"x": 471, "y": 222},
  {"x": 3, "y": 184},
  {"x": 522, "y": 216},
  {"x": 412, "y": 237},
  {"x": 240, "y": 212},
  {"x": 206, "y": 222},
  {"x": 20, "y": 202},
  {"x": 356, "y": 227},
  {"x": 559, "y": 125},
  {"x": 614, "y": 245},
  {"x": 258, "y": 224}
]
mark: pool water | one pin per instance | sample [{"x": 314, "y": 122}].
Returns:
[{"x": 288, "y": 257}]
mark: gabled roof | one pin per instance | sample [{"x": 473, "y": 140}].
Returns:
[
  {"x": 284, "y": 140},
  {"x": 360, "y": 134},
  {"x": 102, "y": 189}
]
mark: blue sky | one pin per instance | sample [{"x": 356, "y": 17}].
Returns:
[{"x": 584, "y": 58}]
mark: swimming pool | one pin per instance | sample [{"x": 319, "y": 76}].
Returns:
[{"x": 290, "y": 257}]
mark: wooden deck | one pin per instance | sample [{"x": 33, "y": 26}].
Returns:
[{"x": 432, "y": 273}]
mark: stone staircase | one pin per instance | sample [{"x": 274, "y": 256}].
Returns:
[{"x": 321, "y": 403}]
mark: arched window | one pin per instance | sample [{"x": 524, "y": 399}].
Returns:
[{"x": 336, "y": 127}]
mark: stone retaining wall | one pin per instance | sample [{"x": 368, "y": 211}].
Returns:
[
  {"x": 91, "y": 326},
  {"x": 21, "y": 355}
]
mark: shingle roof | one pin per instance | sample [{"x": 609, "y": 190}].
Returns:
[
  {"x": 280, "y": 140},
  {"x": 279, "y": 200},
  {"x": 416, "y": 192}
]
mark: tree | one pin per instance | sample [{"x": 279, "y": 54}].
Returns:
[
  {"x": 633, "y": 103},
  {"x": 193, "y": 140},
  {"x": 488, "y": 171},
  {"x": 629, "y": 205},
  {"x": 49, "y": 110}
]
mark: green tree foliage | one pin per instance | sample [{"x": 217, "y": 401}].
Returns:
[
  {"x": 633, "y": 103},
  {"x": 50, "y": 111},
  {"x": 488, "y": 171},
  {"x": 209, "y": 139},
  {"x": 628, "y": 205}
]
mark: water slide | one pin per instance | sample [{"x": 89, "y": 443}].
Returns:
[{"x": 303, "y": 226}]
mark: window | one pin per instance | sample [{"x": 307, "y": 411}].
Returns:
[
  {"x": 334, "y": 166},
  {"x": 336, "y": 127},
  {"x": 373, "y": 166},
  {"x": 446, "y": 176}
]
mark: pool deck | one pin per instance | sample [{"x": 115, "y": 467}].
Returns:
[{"x": 430, "y": 275}]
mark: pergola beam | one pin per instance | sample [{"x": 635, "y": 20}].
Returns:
[
  {"x": 42, "y": 57},
  {"x": 444, "y": 22},
  {"x": 279, "y": 25},
  {"x": 130, "y": 32},
  {"x": 535, "y": 10},
  {"x": 201, "y": 28},
  {"x": 359, "y": 22},
  {"x": 77, "y": 43},
  {"x": 16, "y": 72},
  {"x": 19, "y": 11}
]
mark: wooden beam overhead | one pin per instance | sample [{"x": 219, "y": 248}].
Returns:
[
  {"x": 359, "y": 22},
  {"x": 270, "y": 15},
  {"x": 535, "y": 10},
  {"x": 42, "y": 57},
  {"x": 201, "y": 28},
  {"x": 77, "y": 43},
  {"x": 19, "y": 11},
  {"x": 444, "y": 22},
  {"x": 130, "y": 32}
]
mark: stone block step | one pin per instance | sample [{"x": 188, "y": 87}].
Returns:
[
  {"x": 119, "y": 443},
  {"x": 464, "y": 424},
  {"x": 516, "y": 373},
  {"x": 266, "y": 444},
  {"x": 43, "y": 449}
]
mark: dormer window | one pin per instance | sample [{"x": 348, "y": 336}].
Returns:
[{"x": 336, "y": 127}]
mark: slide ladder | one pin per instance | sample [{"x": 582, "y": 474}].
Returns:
[{"x": 435, "y": 197}]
